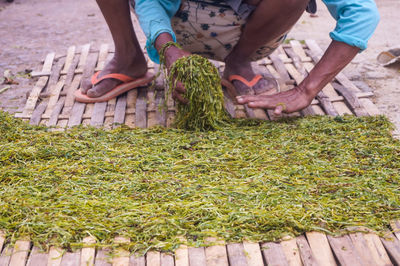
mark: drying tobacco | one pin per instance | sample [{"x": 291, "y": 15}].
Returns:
[
  {"x": 250, "y": 180},
  {"x": 205, "y": 110}
]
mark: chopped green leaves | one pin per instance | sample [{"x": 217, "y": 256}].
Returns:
[{"x": 250, "y": 180}]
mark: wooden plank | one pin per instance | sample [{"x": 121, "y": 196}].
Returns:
[
  {"x": 56, "y": 112},
  {"x": 395, "y": 227},
  {"x": 70, "y": 98},
  {"x": 37, "y": 113},
  {"x": 326, "y": 104},
  {"x": 119, "y": 113},
  {"x": 392, "y": 246},
  {"x": 141, "y": 114},
  {"x": 273, "y": 254},
  {"x": 182, "y": 256},
  {"x": 297, "y": 63},
  {"x": 37, "y": 257},
  {"x": 40, "y": 84},
  {"x": 55, "y": 74},
  {"x": 102, "y": 57},
  {"x": 48, "y": 62},
  {"x": 87, "y": 116},
  {"x": 69, "y": 59},
  {"x": 320, "y": 248},
  {"x": 371, "y": 108},
  {"x": 197, "y": 256},
  {"x": 103, "y": 258},
  {"x": 84, "y": 55},
  {"x": 351, "y": 99},
  {"x": 309, "y": 110},
  {"x": 236, "y": 255},
  {"x": 98, "y": 114},
  {"x": 282, "y": 84},
  {"x": 136, "y": 260},
  {"x": 171, "y": 109},
  {"x": 55, "y": 256},
  {"x": 20, "y": 253},
  {"x": 253, "y": 254},
  {"x": 151, "y": 108},
  {"x": 70, "y": 259},
  {"x": 345, "y": 251},
  {"x": 109, "y": 115},
  {"x": 161, "y": 115},
  {"x": 88, "y": 253},
  {"x": 280, "y": 68},
  {"x": 54, "y": 93},
  {"x": 121, "y": 257},
  {"x": 61, "y": 124},
  {"x": 131, "y": 105},
  {"x": 76, "y": 114},
  {"x": 167, "y": 260},
  {"x": 5, "y": 256},
  {"x": 306, "y": 254},
  {"x": 291, "y": 252},
  {"x": 79, "y": 108},
  {"x": 71, "y": 72},
  {"x": 2, "y": 240},
  {"x": 363, "y": 249},
  {"x": 377, "y": 250},
  {"x": 34, "y": 96},
  {"x": 153, "y": 258},
  {"x": 216, "y": 254}
]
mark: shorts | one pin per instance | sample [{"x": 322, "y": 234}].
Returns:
[{"x": 213, "y": 29}]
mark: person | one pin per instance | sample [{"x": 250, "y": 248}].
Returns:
[{"x": 236, "y": 32}]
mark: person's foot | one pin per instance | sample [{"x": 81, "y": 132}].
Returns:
[
  {"x": 134, "y": 67},
  {"x": 266, "y": 85}
]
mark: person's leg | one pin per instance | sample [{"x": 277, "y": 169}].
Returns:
[
  {"x": 128, "y": 58},
  {"x": 269, "y": 20}
]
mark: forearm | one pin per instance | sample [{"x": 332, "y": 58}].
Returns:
[{"x": 337, "y": 56}]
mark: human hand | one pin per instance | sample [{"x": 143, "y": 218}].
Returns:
[
  {"x": 172, "y": 54},
  {"x": 289, "y": 101}
]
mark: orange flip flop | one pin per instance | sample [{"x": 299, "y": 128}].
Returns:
[
  {"x": 232, "y": 89},
  {"x": 129, "y": 83}
]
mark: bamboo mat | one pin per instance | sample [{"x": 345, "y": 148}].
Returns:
[
  {"x": 312, "y": 248},
  {"x": 51, "y": 101}
]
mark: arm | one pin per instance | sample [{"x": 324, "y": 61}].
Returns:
[
  {"x": 357, "y": 21},
  {"x": 155, "y": 18}
]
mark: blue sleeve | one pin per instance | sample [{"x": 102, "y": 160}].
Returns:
[
  {"x": 155, "y": 18},
  {"x": 356, "y": 21}
]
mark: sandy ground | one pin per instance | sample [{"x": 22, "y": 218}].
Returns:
[{"x": 30, "y": 29}]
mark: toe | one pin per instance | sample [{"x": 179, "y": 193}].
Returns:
[{"x": 85, "y": 86}]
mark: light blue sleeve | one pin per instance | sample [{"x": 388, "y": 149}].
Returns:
[
  {"x": 356, "y": 21},
  {"x": 155, "y": 18}
]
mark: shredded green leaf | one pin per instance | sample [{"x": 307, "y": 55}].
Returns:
[
  {"x": 205, "y": 108},
  {"x": 250, "y": 180}
]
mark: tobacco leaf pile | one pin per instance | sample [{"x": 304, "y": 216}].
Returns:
[
  {"x": 205, "y": 110},
  {"x": 250, "y": 180},
  {"x": 205, "y": 107}
]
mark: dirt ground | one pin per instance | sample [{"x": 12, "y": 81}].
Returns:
[{"x": 30, "y": 29}]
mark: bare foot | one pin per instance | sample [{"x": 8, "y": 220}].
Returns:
[
  {"x": 244, "y": 69},
  {"x": 134, "y": 67}
]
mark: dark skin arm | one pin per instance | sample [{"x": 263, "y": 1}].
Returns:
[
  {"x": 336, "y": 57},
  {"x": 171, "y": 55}
]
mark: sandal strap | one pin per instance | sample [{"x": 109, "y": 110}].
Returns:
[
  {"x": 250, "y": 83},
  {"x": 121, "y": 77}
]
